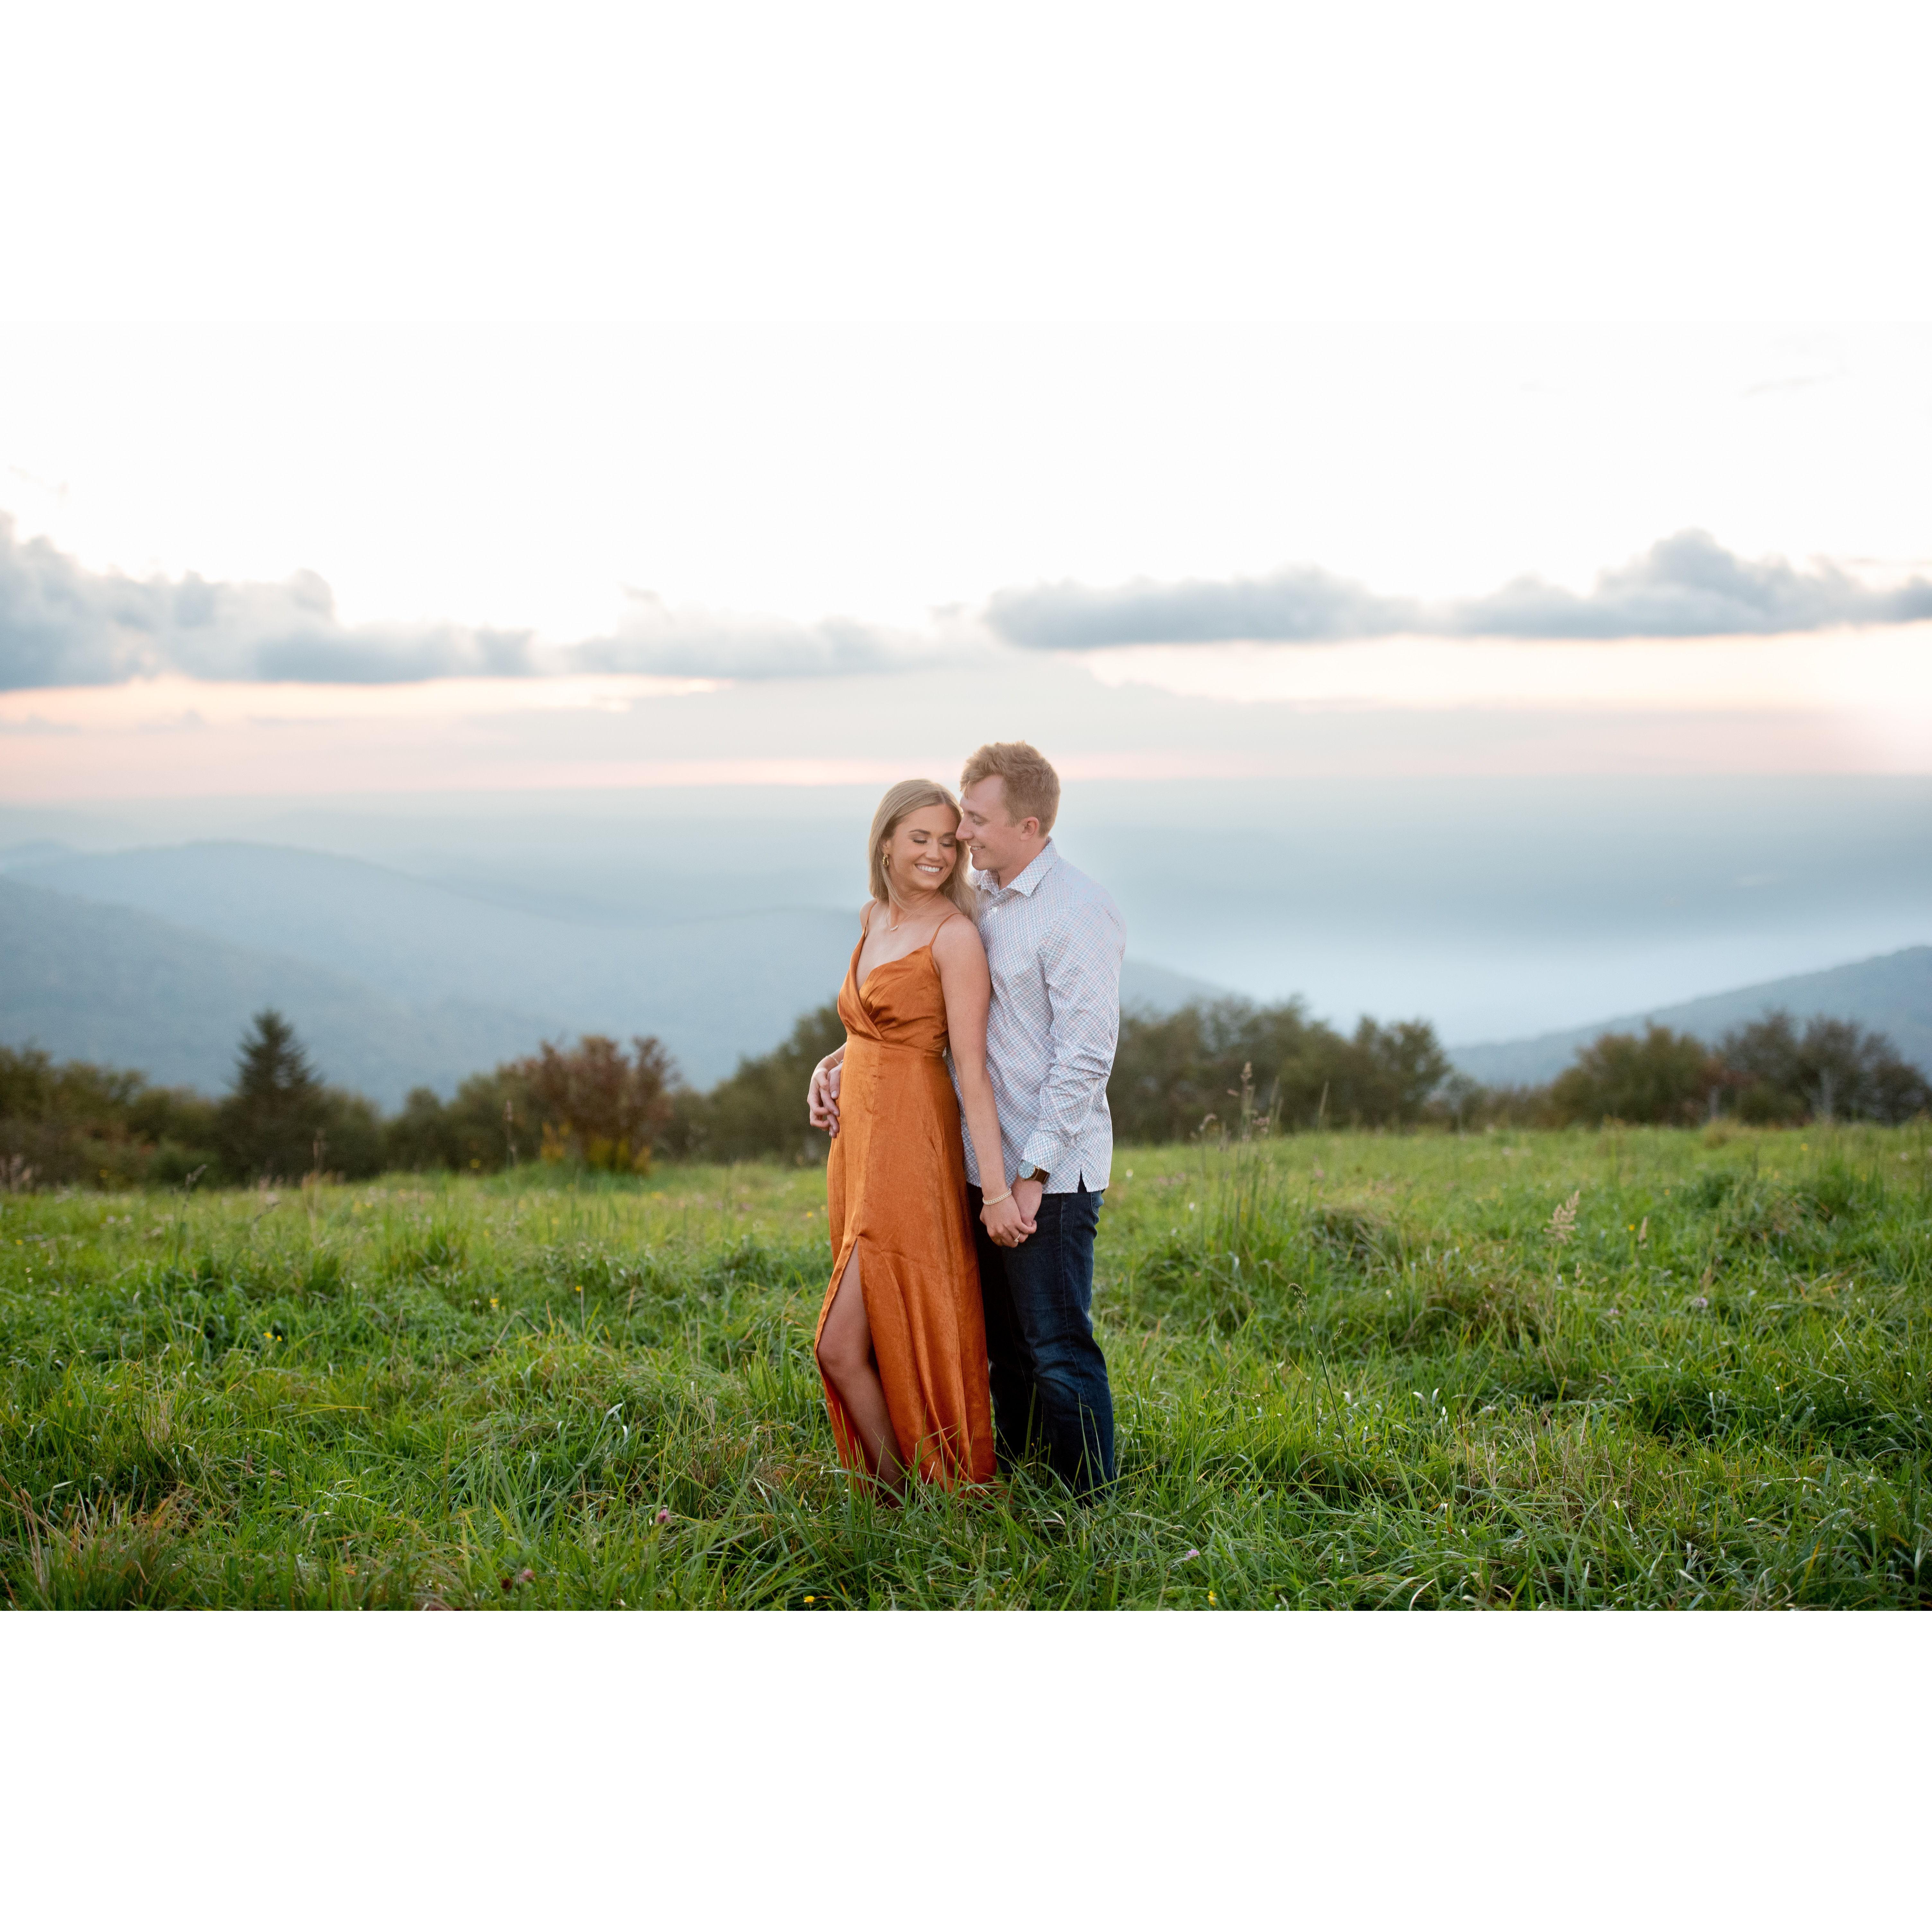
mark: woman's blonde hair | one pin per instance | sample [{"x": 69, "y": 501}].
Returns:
[{"x": 908, "y": 796}]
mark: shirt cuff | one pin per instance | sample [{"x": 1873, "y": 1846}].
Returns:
[{"x": 1043, "y": 1150}]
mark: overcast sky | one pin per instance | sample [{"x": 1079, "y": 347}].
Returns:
[{"x": 1248, "y": 356}]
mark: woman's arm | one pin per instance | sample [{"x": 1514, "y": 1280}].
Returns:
[
  {"x": 968, "y": 988},
  {"x": 821, "y": 1097}
]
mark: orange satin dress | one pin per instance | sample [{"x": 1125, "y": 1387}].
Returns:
[{"x": 895, "y": 1190}]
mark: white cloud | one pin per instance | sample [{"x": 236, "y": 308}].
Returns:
[
  {"x": 653, "y": 638},
  {"x": 1686, "y": 586},
  {"x": 62, "y": 624}
]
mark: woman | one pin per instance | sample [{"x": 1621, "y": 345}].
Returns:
[{"x": 901, "y": 1339}]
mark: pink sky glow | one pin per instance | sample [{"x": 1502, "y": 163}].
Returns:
[{"x": 1842, "y": 702}]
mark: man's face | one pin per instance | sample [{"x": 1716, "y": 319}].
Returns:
[{"x": 996, "y": 843}]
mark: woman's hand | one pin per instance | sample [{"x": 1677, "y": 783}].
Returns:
[
  {"x": 821, "y": 1102},
  {"x": 1006, "y": 1223}
]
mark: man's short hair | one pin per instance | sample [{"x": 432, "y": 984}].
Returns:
[{"x": 1031, "y": 785}]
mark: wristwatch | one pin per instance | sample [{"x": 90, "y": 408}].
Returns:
[{"x": 1030, "y": 1172}]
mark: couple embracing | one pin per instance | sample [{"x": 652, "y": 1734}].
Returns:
[{"x": 956, "y": 1336}]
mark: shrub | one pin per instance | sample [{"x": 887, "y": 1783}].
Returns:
[
  {"x": 1174, "y": 1075},
  {"x": 489, "y": 1125},
  {"x": 594, "y": 1107},
  {"x": 589, "y": 1105},
  {"x": 78, "y": 1122},
  {"x": 1833, "y": 1070},
  {"x": 1664, "y": 1078}
]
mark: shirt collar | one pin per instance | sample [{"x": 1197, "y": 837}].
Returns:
[{"x": 1042, "y": 862}]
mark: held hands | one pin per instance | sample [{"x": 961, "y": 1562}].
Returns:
[
  {"x": 821, "y": 1102},
  {"x": 1009, "y": 1221}
]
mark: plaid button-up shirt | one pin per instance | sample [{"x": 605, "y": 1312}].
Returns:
[{"x": 1054, "y": 941}]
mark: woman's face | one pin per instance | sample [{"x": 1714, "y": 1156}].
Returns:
[{"x": 923, "y": 849}]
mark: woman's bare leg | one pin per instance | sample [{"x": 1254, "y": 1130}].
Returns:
[{"x": 845, "y": 1355}]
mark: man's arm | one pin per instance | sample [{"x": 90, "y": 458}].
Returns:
[{"x": 1082, "y": 964}]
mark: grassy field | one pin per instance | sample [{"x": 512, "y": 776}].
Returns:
[{"x": 1515, "y": 1369}]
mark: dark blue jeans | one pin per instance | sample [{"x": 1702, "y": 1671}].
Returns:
[{"x": 1049, "y": 1378}]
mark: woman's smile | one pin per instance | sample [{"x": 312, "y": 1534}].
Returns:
[{"x": 923, "y": 851}]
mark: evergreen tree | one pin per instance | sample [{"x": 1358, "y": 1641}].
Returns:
[
  {"x": 273, "y": 1064},
  {"x": 270, "y": 1122}
]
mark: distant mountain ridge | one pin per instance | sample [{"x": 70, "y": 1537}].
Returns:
[
  {"x": 123, "y": 988},
  {"x": 1890, "y": 995},
  {"x": 154, "y": 958}
]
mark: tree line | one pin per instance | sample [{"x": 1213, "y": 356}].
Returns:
[
  {"x": 1772, "y": 1072},
  {"x": 1231, "y": 1070}
]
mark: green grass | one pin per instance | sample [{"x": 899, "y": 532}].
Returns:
[{"x": 1350, "y": 1370}]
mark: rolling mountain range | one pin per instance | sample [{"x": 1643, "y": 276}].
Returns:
[
  {"x": 421, "y": 972},
  {"x": 123, "y": 988},
  {"x": 1497, "y": 908},
  {"x": 155, "y": 958}
]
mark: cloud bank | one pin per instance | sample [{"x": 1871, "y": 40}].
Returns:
[
  {"x": 652, "y": 638},
  {"x": 62, "y": 624},
  {"x": 1687, "y": 585}
]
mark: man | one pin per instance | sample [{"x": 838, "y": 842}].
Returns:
[{"x": 1054, "y": 941}]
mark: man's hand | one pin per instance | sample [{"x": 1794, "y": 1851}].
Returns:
[
  {"x": 821, "y": 1102},
  {"x": 1006, "y": 1226},
  {"x": 1027, "y": 1193}
]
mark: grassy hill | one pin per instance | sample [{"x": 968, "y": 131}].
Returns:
[
  {"x": 1350, "y": 1370},
  {"x": 1892, "y": 994}
]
